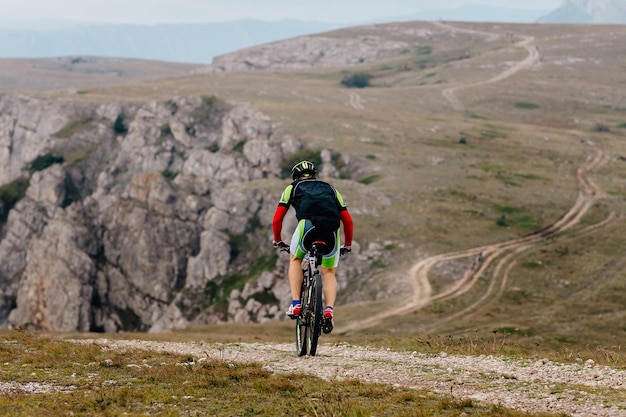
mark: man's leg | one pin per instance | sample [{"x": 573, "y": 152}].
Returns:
[
  {"x": 295, "y": 277},
  {"x": 329, "y": 283}
]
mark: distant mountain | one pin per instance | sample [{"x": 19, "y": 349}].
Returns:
[
  {"x": 479, "y": 13},
  {"x": 588, "y": 11},
  {"x": 192, "y": 43},
  {"x": 200, "y": 43}
]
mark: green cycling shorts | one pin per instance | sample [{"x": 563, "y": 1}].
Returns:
[{"x": 304, "y": 232}]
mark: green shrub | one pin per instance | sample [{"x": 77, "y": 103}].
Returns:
[
  {"x": 369, "y": 179},
  {"x": 357, "y": 80},
  {"x": 209, "y": 101},
  {"x": 622, "y": 125},
  {"x": 169, "y": 175},
  {"x": 165, "y": 130},
  {"x": 44, "y": 161},
  {"x": 502, "y": 222},
  {"x": 525, "y": 105},
  {"x": 424, "y": 50},
  {"x": 10, "y": 194},
  {"x": 239, "y": 146},
  {"x": 118, "y": 126}
]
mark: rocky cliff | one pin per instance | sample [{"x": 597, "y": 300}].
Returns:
[{"x": 138, "y": 217}]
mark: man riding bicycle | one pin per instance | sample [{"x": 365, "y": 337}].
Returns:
[{"x": 319, "y": 209}]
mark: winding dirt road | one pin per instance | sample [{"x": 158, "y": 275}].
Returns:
[{"x": 500, "y": 255}]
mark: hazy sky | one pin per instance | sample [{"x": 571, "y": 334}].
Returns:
[{"x": 188, "y": 11}]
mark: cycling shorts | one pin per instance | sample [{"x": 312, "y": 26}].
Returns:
[{"x": 305, "y": 230}]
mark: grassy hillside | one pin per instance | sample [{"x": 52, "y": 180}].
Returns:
[{"x": 480, "y": 135}]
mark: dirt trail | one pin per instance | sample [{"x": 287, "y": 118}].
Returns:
[
  {"x": 501, "y": 255},
  {"x": 529, "y": 61}
]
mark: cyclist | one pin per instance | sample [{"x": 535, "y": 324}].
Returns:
[{"x": 319, "y": 209}]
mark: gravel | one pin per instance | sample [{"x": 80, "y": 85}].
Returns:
[{"x": 582, "y": 389}]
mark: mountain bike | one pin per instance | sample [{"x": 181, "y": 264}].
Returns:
[{"x": 310, "y": 323}]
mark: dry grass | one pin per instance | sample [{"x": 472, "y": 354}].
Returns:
[
  {"x": 435, "y": 194},
  {"x": 91, "y": 380}
]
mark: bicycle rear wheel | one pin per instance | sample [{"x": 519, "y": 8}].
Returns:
[{"x": 315, "y": 327}]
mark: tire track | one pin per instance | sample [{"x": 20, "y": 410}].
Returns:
[
  {"x": 528, "y": 62},
  {"x": 505, "y": 252},
  {"x": 355, "y": 101}
]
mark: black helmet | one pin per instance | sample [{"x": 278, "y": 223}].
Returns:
[{"x": 302, "y": 167}]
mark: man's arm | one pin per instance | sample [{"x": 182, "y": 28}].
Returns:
[
  {"x": 277, "y": 223},
  {"x": 348, "y": 227}
]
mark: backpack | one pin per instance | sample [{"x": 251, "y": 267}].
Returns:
[{"x": 316, "y": 200}]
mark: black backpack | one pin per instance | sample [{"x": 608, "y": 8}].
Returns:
[{"x": 316, "y": 200}]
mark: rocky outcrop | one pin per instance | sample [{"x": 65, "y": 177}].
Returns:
[
  {"x": 331, "y": 49},
  {"x": 138, "y": 217}
]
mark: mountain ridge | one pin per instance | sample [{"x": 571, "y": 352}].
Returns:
[
  {"x": 200, "y": 42},
  {"x": 588, "y": 11}
]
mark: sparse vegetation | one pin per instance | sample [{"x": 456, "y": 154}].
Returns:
[
  {"x": 369, "y": 179},
  {"x": 532, "y": 173},
  {"x": 600, "y": 127},
  {"x": 73, "y": 127},
  {"x": 119, "y": 126},
  {"x": 210, "y": 101},
  {"x": 169, "y": 175},
  {"x": 165, "y": 130},
  {"x": 357, "y": 80},
  {"x": 10, "y": 194},
  {"x": 239, "y": 146},
  {"x": 44, "y": 161},
  {"x": 526, "y": 105},
  {"x": 424, "y": 50},
  {"x": 100, "y": 381}
]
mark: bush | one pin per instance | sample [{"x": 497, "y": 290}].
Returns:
[
  {"x": 165, "y": 130},
  {"x": 44, "y": 161},
  {"x": 10, "y": 194},
  {"x": 601, "y": 128},
  {"x": 118, "y": 126},
  {"x": 369, "y": 179},
  {"x": 424, "y": 50},
  {"x": 525, "y": 105},
  {"x": 357, "y": 80},
  {"x": 169, "y": 175},
  {"x": 209, "y": 101}
]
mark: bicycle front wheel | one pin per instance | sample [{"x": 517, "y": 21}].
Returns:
[{"x": 315, "y": 325}]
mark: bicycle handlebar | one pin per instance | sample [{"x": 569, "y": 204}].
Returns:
[{"x": 285, "y": 248}]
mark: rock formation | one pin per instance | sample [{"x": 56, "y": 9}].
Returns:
[{"x": 137, "y": 217}]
